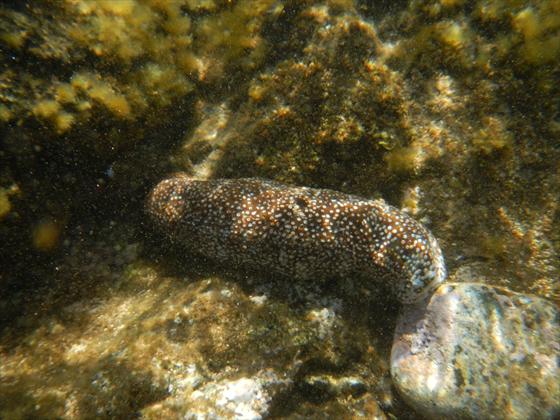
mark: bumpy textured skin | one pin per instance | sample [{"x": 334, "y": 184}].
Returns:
[{"x": 300, "y": 232}]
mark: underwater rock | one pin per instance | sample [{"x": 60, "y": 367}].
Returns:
[
  {"x": 473, "y": 351},
  {"x": 244, "y": 398}
]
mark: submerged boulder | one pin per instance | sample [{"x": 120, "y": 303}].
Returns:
[{"x": 474, "y": 351}]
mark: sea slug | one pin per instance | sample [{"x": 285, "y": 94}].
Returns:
[{"x": 300, "y": 232}]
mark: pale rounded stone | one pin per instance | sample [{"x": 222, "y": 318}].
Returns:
[{"x": 474, "y": 351}]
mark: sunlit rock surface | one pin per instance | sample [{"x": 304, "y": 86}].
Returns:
[
  {"x": 474, "y": 351},
  {"x": 125, "y": 330}
]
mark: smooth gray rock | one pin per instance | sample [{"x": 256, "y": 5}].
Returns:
[{"x": 474, "y": 351}]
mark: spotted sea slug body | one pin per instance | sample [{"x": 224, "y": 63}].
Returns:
[{"x": 300, "y": 232}]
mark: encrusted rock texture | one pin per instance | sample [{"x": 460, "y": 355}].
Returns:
[{"x": 446, "y": 109}]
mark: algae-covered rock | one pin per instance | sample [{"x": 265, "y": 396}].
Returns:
[
  {"x": 93, "y": 90},
  {"x": 473, "y": 351},
  {"x": 118, "y": 61},
  {"x": 487, "y": 101},
  {"x": 332, "y": 115},
  {"x": 115, "y": 335}
]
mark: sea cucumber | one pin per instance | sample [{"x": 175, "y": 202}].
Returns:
[{"x": 300, "y": 232}]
